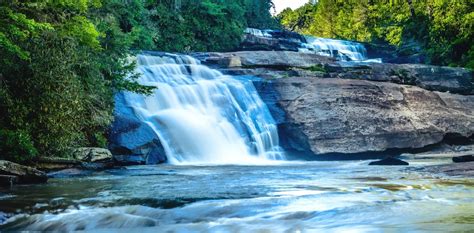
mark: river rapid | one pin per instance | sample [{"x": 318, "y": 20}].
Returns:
[{"x": 335, "y": 196}]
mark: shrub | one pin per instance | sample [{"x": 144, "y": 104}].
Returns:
[{"x": 16, "y": 146}]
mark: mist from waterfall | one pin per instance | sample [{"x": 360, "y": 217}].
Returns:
[{"x": 202, "y": 116}]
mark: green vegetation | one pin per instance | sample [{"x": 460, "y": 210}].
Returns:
[
  {"x": 62, "y": 61},
  {"x": 444, "y": 29}
]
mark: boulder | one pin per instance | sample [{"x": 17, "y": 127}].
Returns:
[
  {"x": 389, "y": 162},
  {"x": 91, "y": 154},
  {"x": 463, "y": 159},
  {"x": 23, "y": 174},
  {"x": 353, "y": 116}
]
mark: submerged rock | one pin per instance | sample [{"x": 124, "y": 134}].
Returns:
[
  {"x": 23, "y": 174},
  {"x": 390, "y": 162},
  {"x": 70, "y": 172},
  {"x": 463, "y": 159}
]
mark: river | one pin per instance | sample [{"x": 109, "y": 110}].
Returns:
[{"x": 330, "y": 196}]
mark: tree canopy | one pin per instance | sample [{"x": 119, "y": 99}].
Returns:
[{"x": 443, "y": 28}]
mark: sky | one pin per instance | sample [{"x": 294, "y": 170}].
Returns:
[{"x": 282, "y": 4}]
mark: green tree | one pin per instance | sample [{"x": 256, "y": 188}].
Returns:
[{"x": 443, "y": 28}]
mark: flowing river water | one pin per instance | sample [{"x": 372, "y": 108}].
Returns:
[{"x": 335, "y": 196}]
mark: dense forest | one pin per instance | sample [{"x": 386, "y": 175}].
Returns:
[
  {"x": 62, "y": 61},
  {"x": 441, "y": 29}
]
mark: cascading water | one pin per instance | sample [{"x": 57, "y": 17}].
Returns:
[
  {"x": 202, "y": 116},
  {"x": 340, "y": 49}
]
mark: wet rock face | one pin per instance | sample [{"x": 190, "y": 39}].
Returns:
[
  {"x": 19, "y": 174},
  {"x": 275, "y": 40},
  {"x": 351, "y": 116},
  {"x": 133, "y": 141}
]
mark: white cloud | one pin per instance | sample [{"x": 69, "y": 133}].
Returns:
[{"x": 283, "y": 4}]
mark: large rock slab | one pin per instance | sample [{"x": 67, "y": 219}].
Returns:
[
  {"x": 434, "y": 78},
  {"x": 24, "y": 174},
  {"x": 352, "y": 116},
  {"x": 286, "y": 63},
  {"x": 268, "y": 59}
]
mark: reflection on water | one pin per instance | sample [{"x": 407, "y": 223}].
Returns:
[{"x": 310, "y": 196}]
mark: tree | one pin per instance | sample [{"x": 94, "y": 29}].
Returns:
[{"x": 444, "y": 29}]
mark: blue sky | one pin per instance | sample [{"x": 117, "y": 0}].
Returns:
[{"x": 282, "y": 4}]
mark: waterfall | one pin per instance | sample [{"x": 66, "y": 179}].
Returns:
[
  {"x": 202, "y": 116},
  {"x": 257, "y": 32},
  {"x": 340, "y": 49}
]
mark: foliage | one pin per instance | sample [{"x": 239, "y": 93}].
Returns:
[
  {"x": 61, "y": 67},
  {"x": 17, "y": 146},
  {"x": 444, "y": 29},
  {"x": 206, "y": 25},
  {"x": 62, "y": 61}
]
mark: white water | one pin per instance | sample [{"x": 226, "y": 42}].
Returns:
[
  {"x": 202, "y": 116},
  {"x": 340, "y": 49},
  {"x": 257, "y": 32}
]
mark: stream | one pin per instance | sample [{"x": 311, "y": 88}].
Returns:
[{"x": 332, "y": 196}]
